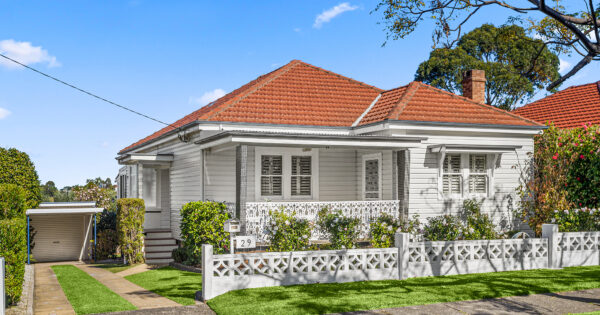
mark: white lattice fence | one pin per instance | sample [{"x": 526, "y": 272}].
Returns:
[
  {"x": 223, "y": 273},
  {"x": 257, "y": 213},
  {"x": 578, "y": 249},
  {"x": 464, "y": 257}
]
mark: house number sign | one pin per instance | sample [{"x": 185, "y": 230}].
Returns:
[{"x": 245, "y": 241}]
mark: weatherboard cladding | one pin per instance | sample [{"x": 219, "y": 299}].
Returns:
[{"x": 302, "y": 94}]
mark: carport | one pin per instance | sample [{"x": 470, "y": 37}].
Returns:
[{"x": 63, "y": 230}]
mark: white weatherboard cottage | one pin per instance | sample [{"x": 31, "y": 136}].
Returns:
[{"x": 303, "y": 138}]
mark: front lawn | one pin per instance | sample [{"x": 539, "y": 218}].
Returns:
[
  {"x": 174, "y": 284},
  {"x": 354, "y": 296},
  {"x": 86, "y": 294}
]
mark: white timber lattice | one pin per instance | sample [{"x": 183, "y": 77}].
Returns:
[{"x": 258, "y": 218}]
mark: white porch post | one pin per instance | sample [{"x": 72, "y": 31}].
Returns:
[{"x": 241, "y": 183}]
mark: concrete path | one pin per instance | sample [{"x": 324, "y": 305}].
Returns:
[
  {"x": 198, "y": 309},
  {"x": 48, "y": 295},
  {"x": 138, "y": 296},
  {"x": 133, "y": 270},
  {"x": 548, "y": 303}
]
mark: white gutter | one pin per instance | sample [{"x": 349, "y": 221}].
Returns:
[{"x": 64, "y": 211}]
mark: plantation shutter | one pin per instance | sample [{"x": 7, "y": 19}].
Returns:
[
  {"x": 271, "y": 175},
  {"x": 477, "y": 174},
  {"x": 452, "y": 179},
  {"x": 372, "y": 179},
  {"x": 301, "y": 175}
]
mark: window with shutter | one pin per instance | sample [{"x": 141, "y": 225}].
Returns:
[
  {"x": 372, "y": 178},
  {"x": 478, "y": 178},
  {"x": 271, "y": 175},
  {"x": 452, "y": 179},
  {"x": 301, "y": 175}
]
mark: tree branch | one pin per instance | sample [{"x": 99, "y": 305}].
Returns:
[{"x": 582, "y": 63}]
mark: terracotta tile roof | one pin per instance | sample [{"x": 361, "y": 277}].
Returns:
[
  {"x": 302, "y": 94},
  {"x": 571, "y": 107},
  {"x": 421, "y": 102}
]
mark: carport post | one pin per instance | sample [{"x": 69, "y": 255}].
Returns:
[
  {"x": 94, "y": 236},
  {"x": 28, "y": 242}
]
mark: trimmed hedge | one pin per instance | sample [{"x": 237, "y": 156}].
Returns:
[
  {"x": 12, "y": 201},
  {"x": 16, "y": 168},
  {"x": 130, "y": 229},
  {"x": 13, "y": 247},
  {"x": 202, "y": 223}
]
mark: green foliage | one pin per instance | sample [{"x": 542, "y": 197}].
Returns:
[
  {"x": 130, "y": 229},
  {"x": 202, "y": 222},
  {"x": 12, "y": 201},
  {"x": 564, "y": 174},
  {"x": 287, "y": 233},
  {"x": 107, "y": 244},
  {"x": 478, "y": 226},
  {"x": 180, "y": 255},
  {"x": 13, "y": 247},
  {"x": 386, "y": 226},
  {"x": 514, "y": 67},
  {"x": 577, "y": 220},
  {"x": 443, "y": 228},
  {"x": 341, "y": 231},
  {"x": 16, "y": 168},
  {"x": 105, "y": 197}
]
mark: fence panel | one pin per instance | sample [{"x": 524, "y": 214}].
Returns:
[{"x": 578, "y": 249}]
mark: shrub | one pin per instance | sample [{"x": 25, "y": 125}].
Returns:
[
  {"x": 179, "y": 255},
  {"x": 383, "y": 230},
  {"x": 478, "y": 226},
  {"x": 130, "y": 229},
  {"x": 341, "y": 231},
  {"x": 287, "y": 233},
  {"x": 13, "y": 247},
  {"x": 443, "y": 228},
  {"x": 202, "y": 223},
  {"x": 577, "y": 220},
  {"x": 12, "y": 201},
  {"x": 16, "y": 168},
  {"x": 107, "y": 244}
]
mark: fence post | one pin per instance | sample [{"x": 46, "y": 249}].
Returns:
[
  {"x": 2, "y": 292},
  {"x": 207, "y": 272},
  {"x": 550, "y": 231},
  {"x": 401, "y": 241}
]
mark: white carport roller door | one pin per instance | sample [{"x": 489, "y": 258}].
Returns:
[{"x": 59, "y": 237}]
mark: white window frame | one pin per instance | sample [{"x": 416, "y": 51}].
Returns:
[
  {"x": 461, "y": 173},
  {"x": 157, "y": 188},
  {"x": 486, "y": 172},
  {"x": 365, "y": 158},
  {"x": 465, "y": 172},
  {"x": 286, "y": 154}
]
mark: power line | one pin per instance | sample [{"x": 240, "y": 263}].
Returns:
[{"x": 86, "y": 92}]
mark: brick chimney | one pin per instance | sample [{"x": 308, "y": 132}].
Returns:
[{"x": 474, "y": 85}]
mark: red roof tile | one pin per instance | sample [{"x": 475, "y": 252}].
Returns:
[
  {"x": 302, "y": 94},
  {"x": 571, "y": 107},
  {"x": 421, "y": 102}
]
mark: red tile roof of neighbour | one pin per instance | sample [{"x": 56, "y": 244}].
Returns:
[
  {"x": 302, "y": 94},
  {"x": 571, "y": 107},
  {"x": 421, "y": 102}
]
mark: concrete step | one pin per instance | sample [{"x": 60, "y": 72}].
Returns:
[
  {"x": 155, "y": 235},
  {"x": 158, "y": 255},
  {"x": 159, "y": 248},
  {"x": 159, "y": 241},
  {"x": 158, "y": 261}
]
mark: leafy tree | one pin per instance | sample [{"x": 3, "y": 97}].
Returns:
[
  {"x": 104, "y": 197},
  {"x": 16, "y": 168},
  {"x": 514, "y": 66},
  {"x": 572, "y": 29},
  {"x": 49, "y": 191}
]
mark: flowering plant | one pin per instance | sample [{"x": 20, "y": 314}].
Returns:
[
  {"x": 287, "y": 232},
  {"x": 443, "y": 228},
  {"x": 478, "y": 226},
  {"x": 584, "y": 219},
  {"x": 385, "y": 227},
  {"x": 342, "y": 231}
]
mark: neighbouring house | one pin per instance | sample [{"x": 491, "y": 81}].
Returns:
[
  {"x": 303, "y": 138},
  {"x": 572, "y": 107}
]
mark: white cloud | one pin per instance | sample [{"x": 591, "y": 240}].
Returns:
[
  {"x": 564, "y": 66},
  {"x": 25, "y": 53},
  {"x": 329, "y": 14},
  {"x": 208, "y": 97},
  {"x": 297, "y": 30},
  {"x": 4, "y": 113}
]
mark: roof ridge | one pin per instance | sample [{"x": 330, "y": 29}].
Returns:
[
  {"x": 477, "y": 103},
  {"x": 259, "y": 81},
  {"x": 411, "y": 88},
  {"x": 341, "y": 76},
  {"x": 557, "y": 94}
]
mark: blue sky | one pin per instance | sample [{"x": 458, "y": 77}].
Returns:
[{"x": 166, "y": 59}]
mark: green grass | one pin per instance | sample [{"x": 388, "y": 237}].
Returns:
[
  {"x": 86, "y": 294},
  {"x": 114, "y": 268},
  {"x": 345, "y": 297},
  {"x": 174, "y": 284}
]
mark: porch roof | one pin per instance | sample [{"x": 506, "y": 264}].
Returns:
[
  {"x": 145, "y": 158},
  {"x": 314, "y": 140},
  {"x": 470, "y": 148}
]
